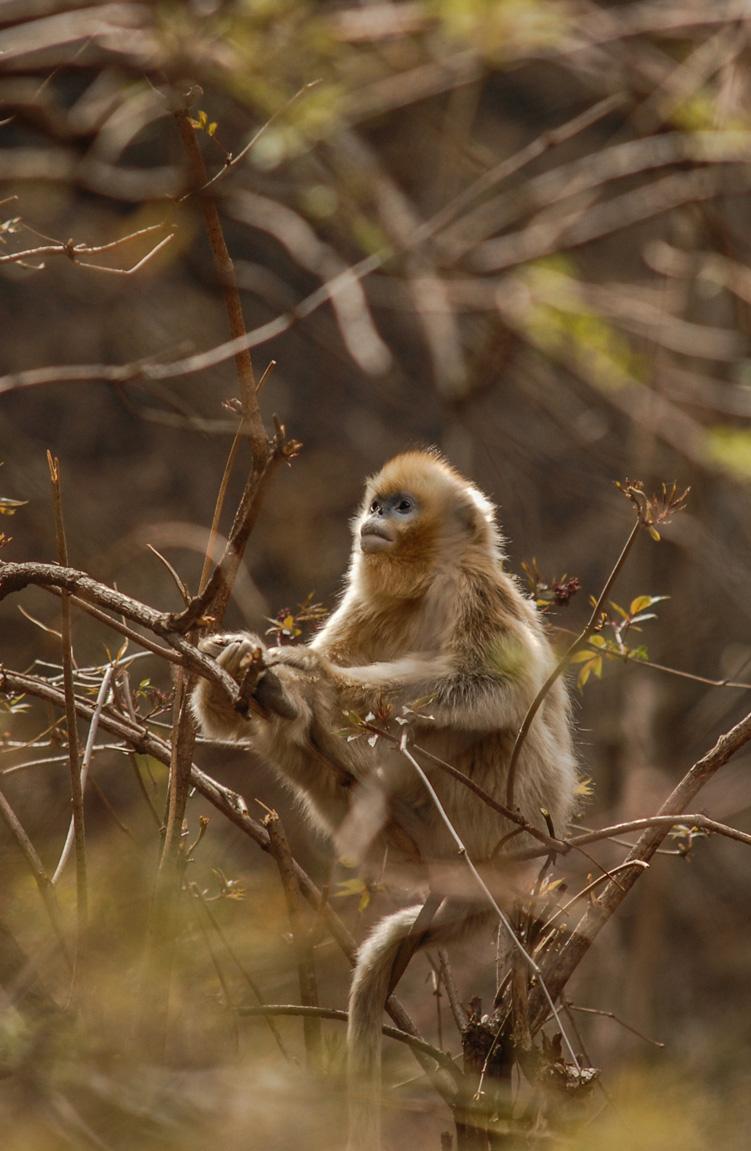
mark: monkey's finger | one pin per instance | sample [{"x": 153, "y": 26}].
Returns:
[
  {"x": 238, "y": 655},
  {"x": 214, "y": 645},
  {"x": 271, "y": 695}
]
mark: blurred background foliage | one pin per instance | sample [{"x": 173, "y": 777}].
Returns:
[{"x": 531, "y": 224}]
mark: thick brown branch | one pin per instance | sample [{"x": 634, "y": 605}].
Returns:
[{"x": 15, "y": 577}]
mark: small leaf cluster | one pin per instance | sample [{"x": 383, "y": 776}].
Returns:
[
  {"x": 382, "y": 717},
  {"x": 8, "y": 507},
  {"x": 618, "y": 625},
  {"x": 287, "y": 625},
  {"x": 683, "y": 837},
  {"x": 355, "y": 886},
  {"x": 557, "y": 592},
  {"x": 201, "y": 123}
]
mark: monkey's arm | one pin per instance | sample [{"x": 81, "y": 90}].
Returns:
[
  {"x": 464, "y": 691},
  {"x": 299, "y": 734}
]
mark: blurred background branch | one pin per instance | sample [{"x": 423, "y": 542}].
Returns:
[{"x": 513, "y": 229}]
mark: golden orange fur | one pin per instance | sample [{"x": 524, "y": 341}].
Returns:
[{"x": 428, "y": 613}]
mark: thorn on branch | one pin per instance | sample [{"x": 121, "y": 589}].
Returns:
[{"x": 281, "y": 447}]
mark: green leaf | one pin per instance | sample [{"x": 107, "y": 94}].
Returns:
[
  {"x": 597, "y": 641},
  {"x": 644, "y": 601},
  {"x": 581, "y": 657}
]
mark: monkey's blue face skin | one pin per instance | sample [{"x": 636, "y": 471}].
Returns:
[{"x": 387, "y": 516}]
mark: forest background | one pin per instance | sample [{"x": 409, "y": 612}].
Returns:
[{"x": 516, "y": 230}]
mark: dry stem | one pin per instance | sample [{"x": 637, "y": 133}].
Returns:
[
  {"x": 306, "y": 971},
  {"x": 76, "y": 787},
  {"x": 560, "y": 667}
]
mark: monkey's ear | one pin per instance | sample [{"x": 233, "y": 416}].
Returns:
[{"x": 472, "y": 517}]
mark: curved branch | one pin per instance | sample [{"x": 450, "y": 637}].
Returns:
[{"x": 442, "y": 1059}]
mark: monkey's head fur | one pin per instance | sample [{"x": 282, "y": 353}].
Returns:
[{"x": 419, "y": 516}]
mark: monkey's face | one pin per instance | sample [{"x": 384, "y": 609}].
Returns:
[{"x": 386, "y": 520}]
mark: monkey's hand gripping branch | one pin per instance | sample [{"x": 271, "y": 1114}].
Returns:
[{"x": 249, "y": 662}]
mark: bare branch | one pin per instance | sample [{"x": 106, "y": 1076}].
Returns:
[
  {"x": 419, "y": 1045},
  {"x": 41, "y": 878},
  {"x": 228, "y": 802},
  {"x": 504, "y": 919},
  {"x": 71, "y": 722},
  {"x": 88, "y": 753},
  {"x": 559, "y": 960},
  {"x": 560, "y": 667},
  {"x": 306, "y": 972}
]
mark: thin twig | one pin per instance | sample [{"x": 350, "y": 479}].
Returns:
[
  {"x": 663, "y": 820},
  {"x": 306, "y": 972},
  {"x": 228, "y": 1001},
  {"x": 88, "y": 753},
  {"x": 41, "y": 878},
  {"x": 462, "y": 851},
  {"x": 234, "y": 808},
  {"x": 419, "y": 1045},
  {"x": 560, "y": 667},
  {"x": 616, "y": 1019},
  {"x": 76, "y": 789},
  {"x": 233, "y": 159},
  {"x": 177, "y": 578},
  {"x": 590, "y": 887},
  {"x": 216, "y": 926},
  {"x": 74, "y": 251},
  {"x": 165, "y": 908},
  {"x": 447, "y": 975},
  {"x": 213, "y": 540},
  {"x": 226, "y": 274}
]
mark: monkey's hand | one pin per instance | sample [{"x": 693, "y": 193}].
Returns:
[{"x": 245, "y": 658}]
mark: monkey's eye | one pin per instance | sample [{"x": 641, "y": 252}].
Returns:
[
  {"x": 405, "y": 505},
  {"x": 375, "y": 506}
]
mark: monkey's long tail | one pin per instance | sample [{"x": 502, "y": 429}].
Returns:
[{"x": 371, "y": 986}]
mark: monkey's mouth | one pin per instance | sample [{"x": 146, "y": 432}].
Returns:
[{"x": 375, "y": 538}]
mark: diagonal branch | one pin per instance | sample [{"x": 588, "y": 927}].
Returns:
[{"x": 559, "y": 961}]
